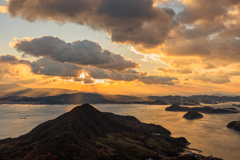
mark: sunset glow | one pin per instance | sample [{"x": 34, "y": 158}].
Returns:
[{"x": 174, "y": 47}]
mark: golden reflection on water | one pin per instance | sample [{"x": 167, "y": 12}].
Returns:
[{"x": 208, "y": 134}]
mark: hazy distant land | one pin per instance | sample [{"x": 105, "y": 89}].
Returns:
[{"x": 95, "y": 98}]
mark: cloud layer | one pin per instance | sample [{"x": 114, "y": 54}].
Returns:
[
  {"x": 48, "y": 67},
  {"x": 206, "y": 29},
  {"x": 86, "y": 53},
  {"x": 127, "y": 21}
]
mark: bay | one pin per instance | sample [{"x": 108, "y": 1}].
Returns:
[{"x": 208, "y": 134}]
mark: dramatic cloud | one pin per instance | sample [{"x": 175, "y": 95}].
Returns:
[
  {"x": 194, "y": 39},
  {"x": 202, "y": 29},
  {"x": 53, "y": 68},
  {"x": 127, "y": 21},
  {"x": 66, "y": 70},
  {"x": 11, "y": 59},
  {"x": 84, "y": 52}
]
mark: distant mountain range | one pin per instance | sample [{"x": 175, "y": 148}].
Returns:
[
  {"x": 9, "y": 90},
  {"x": 16, "y": 94}
]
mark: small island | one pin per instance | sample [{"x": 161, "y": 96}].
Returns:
[
  {"x": 234, "y": 125},
  {"x": 190, "y": 115}
]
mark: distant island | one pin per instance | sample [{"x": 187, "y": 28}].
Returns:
[
  {"x": 209, "y": 110},
  {"x": 236, "y": 105},
  {"x": 190, "y": 115},
  {"x": 234, "y": 125},
  {"x": 95, "y": 98},
  {"x": 86, "y": 133}
]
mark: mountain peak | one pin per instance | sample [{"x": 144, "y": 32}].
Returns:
[
  {"x": 85, "y": 108},
  {"x": 84, "y": 120}
]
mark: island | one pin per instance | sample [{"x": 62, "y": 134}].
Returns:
[
  {"x": 236, "y": 105},
  {"x": 190, "y": 115},
  {"x": 209, "y": 110},
  {"x": 234, "y": 125},
  {"x": 86, "y": 133}
]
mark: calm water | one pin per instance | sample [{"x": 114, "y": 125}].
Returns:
[{"x": 208, "y": 134}]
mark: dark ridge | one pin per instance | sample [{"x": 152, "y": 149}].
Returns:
[
  {"x": 208, "y": 110},
  {"x": 86, "y": 133},
  {"x": 136, "y": 124},
  {"x": 190, "y": 115}
]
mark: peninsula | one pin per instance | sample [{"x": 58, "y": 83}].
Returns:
[{"x": 209, "y": 110}]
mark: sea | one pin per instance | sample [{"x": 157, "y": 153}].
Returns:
[{"x": 208, "y": 134}]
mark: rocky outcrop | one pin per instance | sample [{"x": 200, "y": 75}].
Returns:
[{"x": 190, "y": 115}]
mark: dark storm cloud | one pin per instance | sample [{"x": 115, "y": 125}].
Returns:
[
  {"x": 78, "y": 52},
  {"x": 127, "y": 21}
]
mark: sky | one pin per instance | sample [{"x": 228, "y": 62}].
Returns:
[{"x": 129, "y": 47}]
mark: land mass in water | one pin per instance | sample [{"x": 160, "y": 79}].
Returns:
[
  {"x": 86, "y": 133},
  {"x": 234, "y": 125},
  {"x": 207, "y": 109},
  {"x": 190, "y": 115}
]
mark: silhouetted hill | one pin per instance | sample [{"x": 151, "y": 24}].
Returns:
[
  {"x": 86, "y": 133},
  {"x": 136, "y": 124},
  {"x": 84, "y": 120}
]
